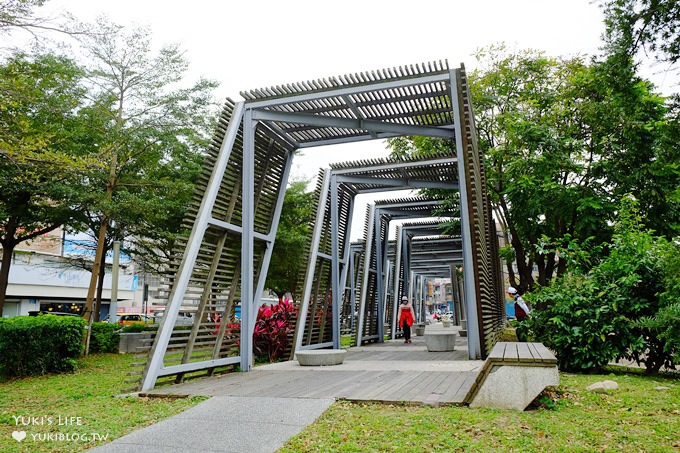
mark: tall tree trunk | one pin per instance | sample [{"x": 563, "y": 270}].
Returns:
[
  {"x": 100, "y": 288},
  {"x": 7, "y": 251},
  {"x": 101, "y": 241},
  {"x": 8, "y": 245}
]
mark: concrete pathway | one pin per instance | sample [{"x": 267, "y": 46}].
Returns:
[
  {"x": 225, "y": 424},
  {"x": 260, "y": 410}
]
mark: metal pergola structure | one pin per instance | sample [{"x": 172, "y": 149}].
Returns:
[
  {"x": 376, "y": 296},
  {"x": 329, "y": 254},
  {"x": 234, "y": 216},
  {"x": 424, "y": 250}
]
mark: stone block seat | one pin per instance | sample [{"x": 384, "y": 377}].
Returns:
[
  {"x": 438, "y": 340},
  {"x": 321, "y": 357},
  {"x": 513, "y": 375}
]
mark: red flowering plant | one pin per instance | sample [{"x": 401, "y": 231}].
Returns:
[{"x": 272, "y": 328}]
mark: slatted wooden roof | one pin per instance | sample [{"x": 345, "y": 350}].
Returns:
[
  {"x": 438, "y": 170},
  {"x": 361, "y": 106}
]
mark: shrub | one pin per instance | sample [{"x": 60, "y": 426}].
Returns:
[
  {"x": 137, "y": 327},
  {"x": 272, "y": 328},
  {"x": 575, "y": 323},
  {"x": 104, "y": 337},
  {"x": 623, "y": 307},
  {"x": 34, "y": 345}
]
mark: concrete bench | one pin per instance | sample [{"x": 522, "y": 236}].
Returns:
[
  {"x": 513, "y": 375},
  {"x": 321, "y": 357},
  {"x": 438, "y": 340}
]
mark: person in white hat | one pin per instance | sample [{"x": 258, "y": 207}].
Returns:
[
  {"x": 521, "y": 311},
  {"x": 406, "y": 317},
  {"x": 521, "y": 307}
]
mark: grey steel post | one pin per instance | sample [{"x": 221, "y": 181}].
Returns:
[
  {"x": 385, "y": 297},
  {"x": 271, "y": 237},
  {"x": 367, "y": 270},
  {"x": 248, "y": 311},
  {"x": 185, "y": 269},
  {"x": 474, "y": 342},
  {"x": 352, "y": 291},
  {"x": 397, "y": 278},
  {"x": 313, "y": 256},
  {"x": 335, "y": 263},
  {"x": 346, "y": 253},
  {"x": 379, "y": 275}
]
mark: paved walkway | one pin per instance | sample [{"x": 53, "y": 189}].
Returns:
[
  {"x": 225, "y": 424},
  {"x": 260, "y": 410}
]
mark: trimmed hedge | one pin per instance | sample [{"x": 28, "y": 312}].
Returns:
[
  {"x": 104, "y": 337},
  {"x": 34, "y": 345}
]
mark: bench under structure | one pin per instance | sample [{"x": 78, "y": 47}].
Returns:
[
  {"x": 438, "y": 340},
  {"x": 513, "y": 375},
  {"x": 321, "y": 357}
]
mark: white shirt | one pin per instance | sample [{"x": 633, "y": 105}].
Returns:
[{"x": 523, "y": 305}]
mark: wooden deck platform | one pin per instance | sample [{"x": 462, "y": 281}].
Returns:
[{"x": 391, "y": 372}]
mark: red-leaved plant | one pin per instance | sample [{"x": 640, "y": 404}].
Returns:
[{"x": 272, "y": 328}]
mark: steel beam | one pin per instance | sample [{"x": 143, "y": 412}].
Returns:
[
  {"x": 371, "y": 126},
  {"x": 160, "y": 344},
  {"x": 248, "y": 312}
]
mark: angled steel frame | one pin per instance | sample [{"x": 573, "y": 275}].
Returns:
[{"x": 238, "y": 203}]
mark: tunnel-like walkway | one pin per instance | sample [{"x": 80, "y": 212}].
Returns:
[
  {"x": 223, "y": 262},
  {"x": 389, "y": 372}
]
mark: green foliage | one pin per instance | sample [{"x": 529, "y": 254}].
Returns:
[
  {"x": 652, "y": 25},
  {"x": 292, "y": 237},
  {"x": 623, "y": 307},
  {"x": 41, "y": 166},
  {"x": 136, "y": 327},
  {"x": 104, "y": 337},
  {"x": 34, "y": 345},
  {"x": 664, "y": 326}
]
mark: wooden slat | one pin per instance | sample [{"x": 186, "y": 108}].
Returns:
[
  {"x": 524, "y": 352},
  {"x": 544, "y": 353},
  {"x": 498, "y": 352},
  {"x": 511, "y": 354}
]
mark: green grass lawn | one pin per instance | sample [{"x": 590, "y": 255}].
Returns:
[
  {"x": 86, "y": 405},
  {"x": 637, "y": 418}
]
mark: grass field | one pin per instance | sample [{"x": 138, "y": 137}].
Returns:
[
  {"x": 637, "y": 418},
  {"x": 74, "y": 412}
]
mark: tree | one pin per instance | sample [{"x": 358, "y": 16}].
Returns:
[
  {"x": 633, "y": 25},
  {"x": 654, "y": 26},
  {"x": 291, "y": 237},
  {"x": 635, "y": 131},
  {"x": 41, "y": 167},
  {"x": 563, "y": 141},
  {"x": 20, "y": 15},
  {"x": 146, "y": 125}
]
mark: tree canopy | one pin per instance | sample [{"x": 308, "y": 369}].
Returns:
[
  {"x": 563, "y": 141},
  {"x": 41, "y": 164},
  {"x": 149, "y": 131},
  {"x": 649, "y": 25},
  {"x": 291, "y": 238}
]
